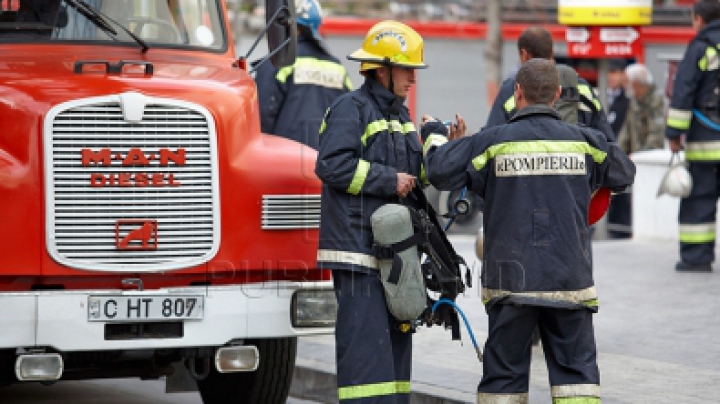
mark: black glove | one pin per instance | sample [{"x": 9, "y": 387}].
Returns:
[{"x": 433, "y": 127}]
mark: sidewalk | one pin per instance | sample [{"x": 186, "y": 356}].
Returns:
[{"x": 657, "y": 335}]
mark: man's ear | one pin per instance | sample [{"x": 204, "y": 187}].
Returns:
[
  {"x": 557, "y": 94},
  {"x": 518, "y": 94},
  {"x": 524, "y": 56}
]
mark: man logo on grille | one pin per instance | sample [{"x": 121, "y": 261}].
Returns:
[{"x": 142, "y": 234}]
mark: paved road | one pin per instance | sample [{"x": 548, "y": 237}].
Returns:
[
  {"x": 110, "y": 391},
  {"x": 657, "y": 335}
]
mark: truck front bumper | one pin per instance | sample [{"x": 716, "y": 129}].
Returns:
[{"x": 60, "y": 319}]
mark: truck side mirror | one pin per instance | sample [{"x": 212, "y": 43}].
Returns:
[{"x": 281, "y": 31}]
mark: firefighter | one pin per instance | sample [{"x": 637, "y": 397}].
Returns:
[
  {"x": 370, "y": 155},
  {"x": 536, "y": 175},
  {"x": 293, "y": 99},
  {"x": 536, "y": 42},
  {"x": 694, "y": 119}
]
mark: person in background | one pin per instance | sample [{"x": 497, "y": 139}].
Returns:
[
  {"x": 643, "y": 129},
  {"x": 536, "y": 175},
  {"x": 537, "y": 42},
  {"x": 293, "y": 100},
  {"x": 693, "y": 123},
  {"x": 617, "y": 99}
]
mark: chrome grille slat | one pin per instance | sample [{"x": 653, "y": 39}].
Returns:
[
  {"x": 82, "y": 219},
  {"x": 287, "y": 212},
  {"x": 121, "y": 215},
  {"x": 145, "y": 200},
  {"x": 87, "y": 244}
]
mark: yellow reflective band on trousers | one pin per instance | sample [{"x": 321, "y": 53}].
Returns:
[
  {"x": 586, "y": 297},
  {"x": 586, "y": 91},
  {"x": 314, "y": 71},
  {"x": 696, "y": 233},
  {"x": 702, "y": 151},
  {"x": 710, "y": 60},
  {"x": 499, "y": 398},
  {"x": 509, "y": 104},
  {"x": 543, "y": 146},
  {"x": 373, "y": 390},
  {"x": 571, "y": 391},
  {"x": 363, "y": 168},
  {"x": 679, "y": 119},
  {"x": 378, "y": 126},
  {"x": 577, "y": 400}
]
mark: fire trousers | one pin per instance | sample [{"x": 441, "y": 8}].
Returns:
[
  {"x": 373, "y": 356},
  {"x": 568, "y": 342},
  {"x": 697, "y": 214}
]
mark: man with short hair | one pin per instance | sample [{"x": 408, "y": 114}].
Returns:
[
  {"x": 537, "y": 42},
  {"x": 536, "y": 175},
  {"x": 645, "y": 121},
  {"x": 694, "y": 119}
]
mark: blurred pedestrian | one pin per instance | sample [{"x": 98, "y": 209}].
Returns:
[
  {"x": 643, "y": 129},
  {"x": 617, "y": 99},
  {"x": 537, "y": 175},
  {"x": 293, "y": 100},
  {"x": 694, "y": 119}
]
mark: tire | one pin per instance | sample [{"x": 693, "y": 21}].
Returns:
[
  {"x": 467, "y": 223},
  {"x": 269, "y": 384}
]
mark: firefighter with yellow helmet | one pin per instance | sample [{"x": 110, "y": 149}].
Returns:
[{"x": 370, "y": 155}]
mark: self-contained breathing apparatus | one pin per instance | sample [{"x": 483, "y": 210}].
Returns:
[{"x": 440, "y": 265}]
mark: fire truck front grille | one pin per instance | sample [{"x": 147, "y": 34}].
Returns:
[
  {"x": 137, "y": 195},
  {"x": 282, "y": 212}
]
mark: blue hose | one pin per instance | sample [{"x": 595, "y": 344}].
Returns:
[
  {"x": 706, "y": 121},
  {"x": 467, "y": 323}
]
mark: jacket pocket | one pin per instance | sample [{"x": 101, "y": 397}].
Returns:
[{"x": 541, "y": 228}]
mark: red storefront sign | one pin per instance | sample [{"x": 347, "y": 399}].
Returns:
[{"x": 603, "y": 42}]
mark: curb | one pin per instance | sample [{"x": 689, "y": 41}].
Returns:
[{"x": 313, "y": 380}]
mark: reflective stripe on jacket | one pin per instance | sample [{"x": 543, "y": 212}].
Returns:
[
  {"x": 293, "y": 100},
  {"x": 536, "y": 175},
  {"x": 694, "y": 86},
  {"x": 362, "y": 146}
]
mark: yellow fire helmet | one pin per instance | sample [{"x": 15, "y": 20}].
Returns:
[{"x": 390, "y": 43}]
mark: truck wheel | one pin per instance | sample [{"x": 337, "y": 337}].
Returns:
[{"x": 269, "y": 384}]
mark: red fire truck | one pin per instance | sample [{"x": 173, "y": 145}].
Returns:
[{"x": 150, "y": 229}]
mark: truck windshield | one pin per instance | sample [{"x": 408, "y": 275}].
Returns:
[{"x": 158, "y": 23}]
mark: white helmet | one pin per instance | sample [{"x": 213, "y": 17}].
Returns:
[{"x": 676, "y": 182}]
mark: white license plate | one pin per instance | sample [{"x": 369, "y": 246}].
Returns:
[{"x": 145, "y": 308}]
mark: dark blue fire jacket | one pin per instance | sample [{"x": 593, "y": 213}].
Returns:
[
  {"x": 293, "y": 100},
  {"x": 536, "y": 175},
  {"x": 366, "y": 139},
  {"x": 694, "y": 88}
]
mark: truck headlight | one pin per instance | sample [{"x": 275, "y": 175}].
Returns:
[{"x": 314, "y": 308}]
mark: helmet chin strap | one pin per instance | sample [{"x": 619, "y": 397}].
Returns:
[{"x": 391, "y": 82}]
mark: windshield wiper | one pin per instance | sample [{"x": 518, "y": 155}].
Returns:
[{"x": 101, "y": 21}]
